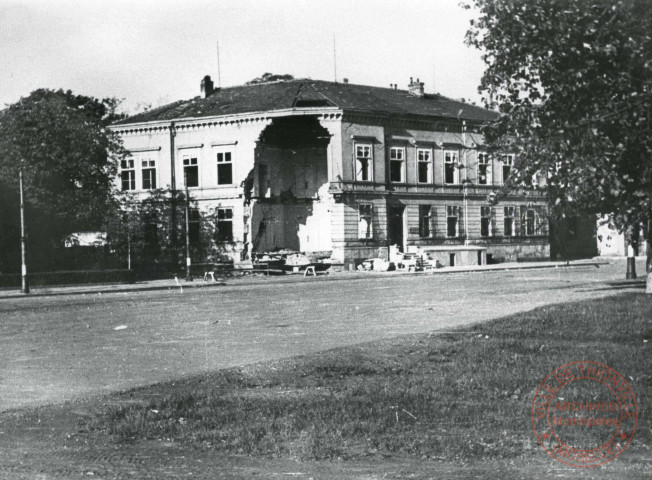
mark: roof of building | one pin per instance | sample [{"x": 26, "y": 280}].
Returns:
[{"x": 306, "y": 93}]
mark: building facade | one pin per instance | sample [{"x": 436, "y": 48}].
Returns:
[{"x": 336, "y": 169}]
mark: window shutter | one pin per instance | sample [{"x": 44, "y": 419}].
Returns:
[{"x": 493, "y": 231}]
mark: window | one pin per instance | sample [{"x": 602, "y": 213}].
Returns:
[
  {"x": 509, "y": 222},
  {"x": 529, "y": 222},
  {"x": 149, "y": 174},
  {"x": 224, "y": 231},
  {"x": 128, "y": 174},
  {"x": 451, "y": 173},
  {"x": 485, "y": 221},
  {"x": 424, "y": 220},
  {"x": 194, "y": 226},
  {"x": 424, "y": 166},
  {"x": 484, "y": 169},
  {"x": 508, "y": 163},
  {"x": 224, "y": 168},
  {"x": 363, "y": 163},
  {"x": 190, "y": 171},
  {"x": 365, "y": 221},
  {"x": 397, "y": 164},
  {"x": 452, "y": 220},
  {"x": 150, "y": 233}
]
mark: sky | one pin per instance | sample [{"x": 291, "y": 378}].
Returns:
[{"x": 149, "y": 52}]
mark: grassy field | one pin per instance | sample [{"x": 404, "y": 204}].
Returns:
[{"x": 458, "y": 396}]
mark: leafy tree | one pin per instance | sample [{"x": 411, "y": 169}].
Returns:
[
  {"x": 69, "y": 161},
  {"x": 270, "y": 77},
  {"x": 573, "y": 80},
  {"x": 148, "y": 234}
]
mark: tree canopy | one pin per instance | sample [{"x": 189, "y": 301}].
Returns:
[
  {"x": 270, "y": 77},
  {"x": 573, "y": 80},
  {"x": 69, "y": 160}
]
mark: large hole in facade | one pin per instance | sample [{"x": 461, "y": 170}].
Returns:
[{"x": 290, "y": 188}]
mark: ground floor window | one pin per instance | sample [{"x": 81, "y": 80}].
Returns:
[
  {"x": 485, "y": 221},
  {"x": 424, "y": 220},
  {"x": 194, "y": 226},
  {"x": 509, "y": 222},
  {"x": 224, "y": 230},
  {"x": 365, "y": 221},
  {"x": 530, "y": 220},
  {"x": 452, "y": 221}
]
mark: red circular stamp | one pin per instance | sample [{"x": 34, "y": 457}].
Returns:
[{"x": 584, "y": 414}]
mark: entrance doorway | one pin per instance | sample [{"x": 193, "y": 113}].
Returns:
[{"x": 395, "y": 224}]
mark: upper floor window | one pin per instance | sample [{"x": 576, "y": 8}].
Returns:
[
  {"x": 148, "y": 171},
  {"x": 484, "y": 169},
  {"x": 508, "y": 164},
  {"x": 509, "y": 222},
  {"x": 224, "y": 168},
  {"x": 224, "y": 232},
  {"x": 424, "y": 166},
  {"x": 452, "y": 221},
  {"x": 128, "y": 174},
  {"x": 397, "y": 164},
  {"x": 365, "y": 221},
  {"x": 191, "y": 171},
  {"x": 363, "y": 163},
  {"x": 451, "y": 170}
]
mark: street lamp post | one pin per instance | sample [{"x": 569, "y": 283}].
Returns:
[
  {"x": 465, "y": 184},
  {"x": 185, "y": 181},
  {"x": 24, "y": 284}
]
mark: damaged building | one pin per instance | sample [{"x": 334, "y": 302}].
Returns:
[{"x": 338, "y": 170}]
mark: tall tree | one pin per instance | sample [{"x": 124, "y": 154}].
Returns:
[
  {"x": 69, "y": 162},
  {"x": 573, "y": 80}
]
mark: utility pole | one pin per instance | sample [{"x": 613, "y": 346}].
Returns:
[
  {"x": 24, "y": 285},
  {"x": 185, "y": 181}
]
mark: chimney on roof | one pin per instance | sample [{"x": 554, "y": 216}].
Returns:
[
  {"x": 416, "y": 88},
  {"x": 206, "y": 86}
]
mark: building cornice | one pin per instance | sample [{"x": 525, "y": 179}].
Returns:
[{"x": 184, "y": 124}]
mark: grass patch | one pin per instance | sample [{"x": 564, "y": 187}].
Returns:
[{"x": 462, "y": 394}]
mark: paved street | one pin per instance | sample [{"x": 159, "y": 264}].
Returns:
[{"x": 55, "y": 348}]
